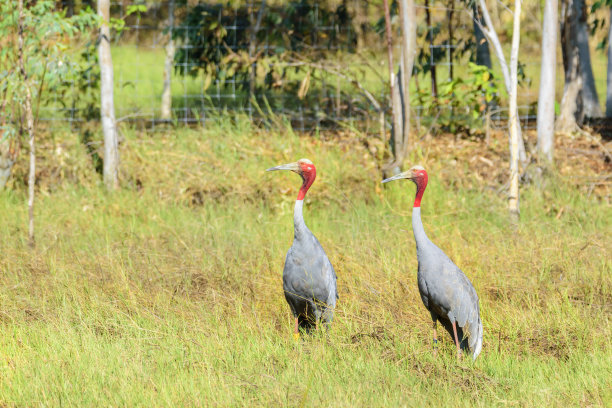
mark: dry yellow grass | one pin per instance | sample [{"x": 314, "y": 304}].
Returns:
[{"x": 168, "y": 292}]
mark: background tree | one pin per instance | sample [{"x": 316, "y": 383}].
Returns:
[
  {"x": 393, "y": 167},
  {"x": 598, "y": 23},
  {"x": 27, "y": 104},
  {"x": 491, "y": 34},
  {"x": 548, "y": 69},
  {"x": 409, "y": 31},
  {"x": 34, "y": 62},
  {"x": 166, "y": 100},
  {"x": 513, "y": 201},
  {"x": 579, "y": 95},
  {"x": 107, "y": 103},
  {"x": 400, "y": 84},
  {"x": 483, "y": 53}
]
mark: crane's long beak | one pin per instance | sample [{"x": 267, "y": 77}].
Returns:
[
  {"x": 291, "y": 166},
  {"x": 404, "y": 175}
]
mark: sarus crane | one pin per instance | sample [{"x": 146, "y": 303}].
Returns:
[
  {"x": 309, "y": 280},
  {"x": 445, "y": 291}
]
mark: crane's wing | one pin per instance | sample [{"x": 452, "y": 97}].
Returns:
[
  {"x": 328, "y": 274},
  {"x": 466, "y": 310},
  {"x": 308, "y": 272},
  {"x": 453, "y": 295}
]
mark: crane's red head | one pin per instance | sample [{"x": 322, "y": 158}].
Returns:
[
  {"x": 419, "y": 176},
  {"x": 304, "y": 168}
]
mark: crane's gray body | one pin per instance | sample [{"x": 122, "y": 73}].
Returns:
[
  {"x": 309, "y": 280},
  {"x": 445, "y": 290}
]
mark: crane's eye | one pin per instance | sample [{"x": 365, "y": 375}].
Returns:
[{"x": 307, "y": 168}]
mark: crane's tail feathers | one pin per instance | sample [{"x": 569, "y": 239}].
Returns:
[
  {"x": 474, "y": 332},
  {"x": 478, "y": 346}
]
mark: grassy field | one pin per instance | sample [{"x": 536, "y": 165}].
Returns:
[{"x": 168, "y": 292}]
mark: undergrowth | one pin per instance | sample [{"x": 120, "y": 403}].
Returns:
[{"x": 168, "y": 292}]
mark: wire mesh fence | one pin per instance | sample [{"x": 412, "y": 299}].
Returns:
[{"x": 312, "y": 63}]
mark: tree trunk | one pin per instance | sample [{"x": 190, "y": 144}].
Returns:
[
  {"x": 398, "y": 128},
  {"x": 107, "y": 104},
  {"x": 579, "y": 81},
  {"x": 571, "y": 102},
  {"x": 483, "y": 53},
  {"x": 408, "y": 18},
  {"x": 548, "y": 68},
  {"x": 166, "y": 102},
  {"x": 30, "y": 127},
  {"x": 451, "y": 39},
  {"x": 491, "y": 34},
  {"x": 513, "y": 201},
  {"x": 609, "y": 76},
  {"x": 255, "y": 25},
  {"x": 592, "y": 108},
  {"x": 432, "y": 64},
  {"x": 396, "y": 112},
  {"x": 571, "y": 111}
]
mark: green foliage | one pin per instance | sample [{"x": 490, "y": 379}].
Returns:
[
  {"x": 60, "y": 55},
  {"x": 462, "y": 102},
  {"x": 47, "y": 55},
  {"x": 220, "y": 54},
  {"x": 118, "y": 24}
]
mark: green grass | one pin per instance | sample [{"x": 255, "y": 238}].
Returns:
[
  {"x": 168, "y": 292},
  {"x": 138, "y": 82}
]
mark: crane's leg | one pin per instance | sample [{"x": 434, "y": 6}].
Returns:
[
  {"x": 296, "y": 334},
  {"x": 435, "y": 338},
  {"x": 456, "y": 339}
]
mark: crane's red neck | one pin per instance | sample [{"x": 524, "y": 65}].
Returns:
[
  {"x": 308, "y": 173},
  {"x": 420, "y": 179}
]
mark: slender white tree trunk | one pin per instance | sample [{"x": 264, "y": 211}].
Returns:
[
  {"x": 491, "y": 34},
  {"x": 398, "y": 127},
  {"x": 548, "y": 69},
  {"x": 408, "y": 15},
  {"x": 396, "y": 110},
  {"x": 489, "y": 31},
  {"x": 513, "y": 201},
  {"x": 166, "y": 102},
  {"x": 30, "y": 126},
  {"x": 32, "y": 171},
  {"x": 609, "y": 76},
  {"x": 107, "y": 104}
]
